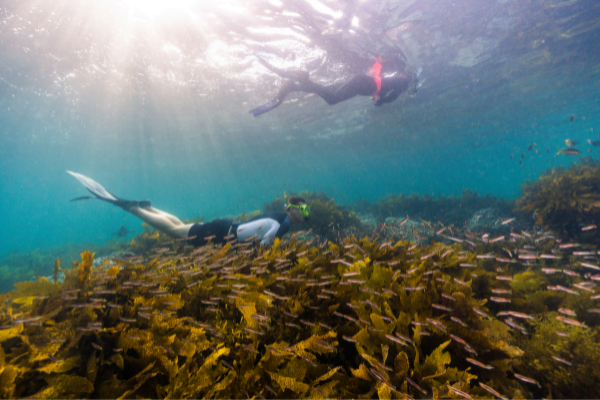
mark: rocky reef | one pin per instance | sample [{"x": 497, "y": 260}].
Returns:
[{"x": 449, "y": 210}]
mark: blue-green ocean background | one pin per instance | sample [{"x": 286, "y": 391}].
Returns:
[{"x": 155, "y": 106}]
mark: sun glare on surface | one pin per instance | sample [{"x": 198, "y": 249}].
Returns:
[{"x": 156, "y": 7}]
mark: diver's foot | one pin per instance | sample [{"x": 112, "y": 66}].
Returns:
[
  {"x": 145, "y": 204},
  {"x": 127, "y": 204}
]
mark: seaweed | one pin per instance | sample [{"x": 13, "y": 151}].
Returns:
[
  {"x": 19, "y": 266},
  {"x": 562, "y": 199},
  {"x": 581, "y": 347},
  {"x": 360, "y": 317}
]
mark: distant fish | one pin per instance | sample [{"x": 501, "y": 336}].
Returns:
[
  {"x": 121, "y": 232},
  {"x": 569, "y": 152},
  {"x": 492, "y": 391},
  {"x": 570, "y": 143},
  {"x": 594, "y": 143},
  {"x": 531, "y": 146},
  {"x": 562, "y": 361},
  {"x": 526, "y": 379},
  {"x": 459, "y": 392},
  {"x": 547, "y": 149},
  {"x": 572, "y": 118}
]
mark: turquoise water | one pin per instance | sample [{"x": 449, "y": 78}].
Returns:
[
  {"x": 152, "y": 102},
  {"x": 151, "y": 99}
]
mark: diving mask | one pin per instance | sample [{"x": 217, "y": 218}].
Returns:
[{"x": 304, "y": 209}]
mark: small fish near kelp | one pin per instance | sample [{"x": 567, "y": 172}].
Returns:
[{"x": 569, "y": 152}]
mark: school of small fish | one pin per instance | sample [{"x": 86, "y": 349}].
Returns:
[{"x": 346, "y": 295}]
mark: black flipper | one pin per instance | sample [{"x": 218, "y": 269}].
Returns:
[
  {"x": 265, "y": 107},
  {"x": 83, "y": 198}
]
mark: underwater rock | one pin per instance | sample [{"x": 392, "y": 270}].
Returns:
[
  {"x": 449, "y": 210},
  {"x": 491, "y": 220},
  {"x": 484, "y": 220}
]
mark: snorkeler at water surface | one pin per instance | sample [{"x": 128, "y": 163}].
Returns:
[
  {"x": 383, "y": 88},
  {"x": 264, "y": 227}
]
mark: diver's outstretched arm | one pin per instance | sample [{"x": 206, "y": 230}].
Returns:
[{"x": 164, "y": 222}]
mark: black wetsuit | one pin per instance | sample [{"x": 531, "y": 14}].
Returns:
[
  {"x": 263, "y": 227},
  {"x": 358, "y": 85}
]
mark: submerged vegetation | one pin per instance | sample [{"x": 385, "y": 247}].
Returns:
[
  {"x": 564, "y": 199},
  {"x": 358, "y": 318},
  {"x": 21, "y": 266},
  {"x": 407, "y": 310}
]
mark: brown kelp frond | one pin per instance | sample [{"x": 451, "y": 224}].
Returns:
[{"x": 357, "y": 317}]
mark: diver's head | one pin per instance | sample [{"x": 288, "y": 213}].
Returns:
[{"x": 297, "y": 209}]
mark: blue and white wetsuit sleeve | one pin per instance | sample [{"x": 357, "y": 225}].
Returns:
[
  {"x": 269, "y": 237},
  {"x": 265, "y": 230}
]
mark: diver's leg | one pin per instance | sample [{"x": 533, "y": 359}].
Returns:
[
  {"x": 358, "y": 85},
  {"x": 296, "y": 75},
  {"x": 287, "y": 88},
  {"x": 172, "y": 218},
  {"x": 162, "y": 221}
]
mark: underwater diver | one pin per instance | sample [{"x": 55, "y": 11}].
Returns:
[
  {"x": 265, "y": 227},
  {"x": 383, "y": 88}
]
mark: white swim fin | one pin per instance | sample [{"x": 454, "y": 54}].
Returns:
[{"x": 97, "y": 190}]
